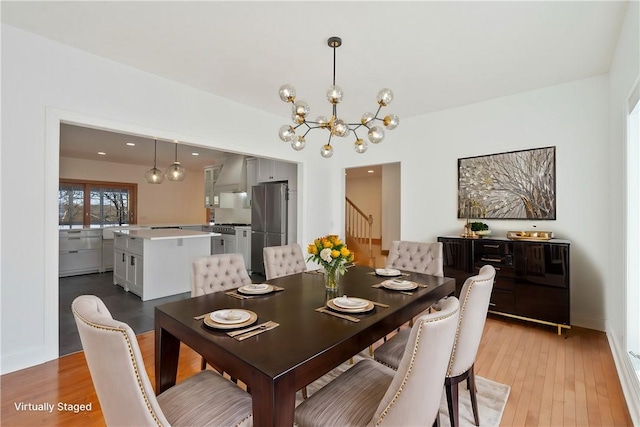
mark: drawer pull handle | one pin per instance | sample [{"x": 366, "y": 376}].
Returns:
[
  {"x": 491, "y": 246},
  {"x": 74, "y": 231},
  {"x": 74, "y": 252},
  {"x": 492, "y": 304},
  {"x": 73, "y": 238},
  {"x": 490, "y": 259},
  {"x": 496, "y": 268}
]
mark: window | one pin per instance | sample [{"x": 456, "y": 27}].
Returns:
[{"x": 94, "y": 204}]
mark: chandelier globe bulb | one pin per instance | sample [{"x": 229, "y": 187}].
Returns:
[
  {"x": 298, "y": 144},
  {"x": 334, "y": 94},
  {"x": 391, "y": 121},
  {"x": 385, "y": 96},
  {"x": 287, "y": 93},
  {"x": 360, "y": 146},
  {"x": 376, "y": 134},
  {"x": 326, "y": 151}
]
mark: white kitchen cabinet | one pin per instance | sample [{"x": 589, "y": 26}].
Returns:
[
  {"x": 243, "y": 244},
  {"x": 119, "y": 266},
  {"x": 223, "y": 244},
  {"x": 273, "y": 170},
  {"x": 252, "y": 179},
  {"x": 80, "y": 252},
  {"x": 157, "y": 263},
  {"x": 107, "y": 255},
  {"x": 210, "y": 176},
  {"x": 128, "y": 263}
]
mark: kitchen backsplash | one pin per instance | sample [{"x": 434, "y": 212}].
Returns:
[{"x": 237, "y": 214}]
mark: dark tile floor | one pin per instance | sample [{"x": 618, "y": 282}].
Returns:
[{"x": 124, "y": 306}]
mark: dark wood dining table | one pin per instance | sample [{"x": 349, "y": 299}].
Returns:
[{"x": 306, "y": 344}]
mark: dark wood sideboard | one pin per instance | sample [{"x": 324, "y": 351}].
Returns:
[{"x": 532, "y": 277}]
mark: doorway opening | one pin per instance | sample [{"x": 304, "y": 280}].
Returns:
[{"x": 372, "y": 216}]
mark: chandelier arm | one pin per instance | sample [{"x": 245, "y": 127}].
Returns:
[
  {"x": 329, "y": 141},
  {"x": 355, "y": 126},
  {"x": 379, "y": 108}
]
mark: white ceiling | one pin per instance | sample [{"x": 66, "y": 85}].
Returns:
[{"x": 433, "y": 55}]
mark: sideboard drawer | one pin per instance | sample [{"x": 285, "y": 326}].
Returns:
[
  {"x": 484, "y": 247},
  {"x": 503, "y": 301}
]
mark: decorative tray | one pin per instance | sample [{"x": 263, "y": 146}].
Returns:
[{"x": 542, "y": 236}]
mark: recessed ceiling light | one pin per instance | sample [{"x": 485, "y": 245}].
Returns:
[
  {"x": 131, "y": 144},
  {"x": 370, "y": 171},
  {"x": 195, "y": 154},
  {"x": 102, "y": 153}
]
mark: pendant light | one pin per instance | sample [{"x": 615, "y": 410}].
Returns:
[
  {"x": 154, "y": 175},
  {"x": 176, "y": 172}
]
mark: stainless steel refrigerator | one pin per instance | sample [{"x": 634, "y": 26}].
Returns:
[{"x": 268, "y": 220}]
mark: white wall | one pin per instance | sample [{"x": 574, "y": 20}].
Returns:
[
  {"x": 170, "y": 202},
  {"x": 624, "y": 72},
  {"x": 391, "y": 187},
  {"x": 44, "y": 83},
  {"x": 572, "y": 117}
]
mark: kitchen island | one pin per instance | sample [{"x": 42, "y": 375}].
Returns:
[{"x": 155, "y": 263}]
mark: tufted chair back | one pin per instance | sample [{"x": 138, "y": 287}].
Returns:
[
  {"x": 215, "y": 273},
  {"x": 474, "y": 303},
  {"x": 416, "y": 256},
  {"x": 283, "y": 260}
]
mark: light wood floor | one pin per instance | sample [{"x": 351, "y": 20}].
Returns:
[{"x": 567, "y": 380}]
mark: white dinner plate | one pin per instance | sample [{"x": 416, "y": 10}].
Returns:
[
  {"x": 230, "y": 316},
  {"x": 350, "y": 302},
  {"x": 389, "y": 272},
  {"x": 399, "y": 285},
  {"x": 256, "y": 289},
  {"x": 366, "y": 308}
]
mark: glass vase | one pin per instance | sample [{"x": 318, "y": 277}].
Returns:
[{"x": 331, "y": 278}]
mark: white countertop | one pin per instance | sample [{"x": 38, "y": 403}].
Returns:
[{"x": 164, "y": 233}]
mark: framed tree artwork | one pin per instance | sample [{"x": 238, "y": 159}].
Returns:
[{"x": 512, "y": 185}]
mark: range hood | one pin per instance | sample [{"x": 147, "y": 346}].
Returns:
[{"x": 233, "y": 175}]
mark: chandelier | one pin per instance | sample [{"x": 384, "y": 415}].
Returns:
[{"x": 336, "y": 126}]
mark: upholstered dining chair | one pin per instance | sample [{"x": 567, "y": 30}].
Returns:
[
  {"x": 123, "y": 387},
  {"x": 214, "y": 273},
  {"x": 370, "y": 393},
  {"x": 283, "y": 260},
  {"x": 420, "y": 257},
  {"x": 474, "y": 303}
]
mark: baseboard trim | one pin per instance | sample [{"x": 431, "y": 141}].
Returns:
[{"x": 628, "y": 378}]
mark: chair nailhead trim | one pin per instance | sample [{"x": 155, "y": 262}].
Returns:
[
  {"x": 410, "y": 369},
  {"x": 133, "y": 361}
]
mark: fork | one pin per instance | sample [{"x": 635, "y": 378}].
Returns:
[{"x": 252, "y": 328}]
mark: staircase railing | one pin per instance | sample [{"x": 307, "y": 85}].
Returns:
[{"x": 359, "y": 229}]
